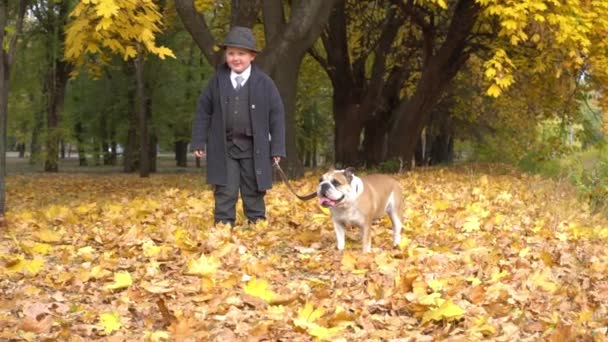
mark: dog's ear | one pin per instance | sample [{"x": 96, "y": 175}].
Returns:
[{"x": 349, "y": 172}]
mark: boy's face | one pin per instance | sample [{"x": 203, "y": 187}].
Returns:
[{"x": 239, "y": 59}]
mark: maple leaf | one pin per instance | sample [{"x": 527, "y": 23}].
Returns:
[
  {"x": 203, "y": 266},
  {"x": 259, "y": 288},
  {"x": 121, "y": 280},
  {"x": 110, "y": 322},
  {"x": 26, "y": 266},
  {"x": 448, "y": 310},
  {"x": 107, "y": 8},
  {"x": 307, "y": 317},
  {"x": 183, "y": 240}
]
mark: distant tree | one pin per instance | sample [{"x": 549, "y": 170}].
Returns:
[{"x": 101, "y": 30}]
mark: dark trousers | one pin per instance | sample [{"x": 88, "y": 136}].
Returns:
[{"x": 240, "y": 176}]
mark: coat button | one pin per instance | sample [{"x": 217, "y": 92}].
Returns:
[{"x": 258, "y": 172}]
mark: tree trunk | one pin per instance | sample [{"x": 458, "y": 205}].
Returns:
[
  {"x": 4, "y": 84},
  {"x": 79, "y": 132},
  {"x": 410, "y": 115},
  {"x": 347, "y": 135},
  {"x": 153, "y": 152},
  {"x": 21, "y": 149},
  {"x": 130, "y": 153},
  {"x": 286, "y": 78},
  {"x": 7, "y": 57},
  {"x": 358, "y": 89},
  {"x": 35, "y": 144},
  {"x": 181, "y": 153},
  {"x": 374, "y": 140},
  {"x": 57, "y": 78},
  {"x": 142, "y": 115}
]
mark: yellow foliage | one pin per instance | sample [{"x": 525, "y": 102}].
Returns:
[
  {"x": 259, "y": 288},
  {"x": 448, "y": 311},
  {"x": 121, "y": 280},
  {"x": 113, "y": 27},
  {"x": 528, "y": 251},
  {"x": 110, "y": 322}
]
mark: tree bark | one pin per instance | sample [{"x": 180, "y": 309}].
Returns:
[
  {"x": 357, "y": 97},
  {"x": 79, "y": 134},
  {"x": 286, "y": 44},
  {"x": 181, "y": 153},
  {"x": 56, "y": 82},
  {"x": 131, "y": 159},
  {"x": 140, "y": 109}
]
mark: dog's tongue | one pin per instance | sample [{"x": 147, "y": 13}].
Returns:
[{"x": 326, "y": 202}]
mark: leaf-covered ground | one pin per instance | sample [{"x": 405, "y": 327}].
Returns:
[{"x": 487, "y": 254}]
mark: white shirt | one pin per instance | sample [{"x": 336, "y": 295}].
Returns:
[{"x": 245, "y": 74}]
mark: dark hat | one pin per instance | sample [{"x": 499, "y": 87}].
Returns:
[{"x": 241, "y": 37}]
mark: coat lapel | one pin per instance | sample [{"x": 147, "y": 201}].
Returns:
[{"x": 224, "y": 85}]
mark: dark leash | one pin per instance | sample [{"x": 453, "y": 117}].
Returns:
[{"x": 286, "y": 181}]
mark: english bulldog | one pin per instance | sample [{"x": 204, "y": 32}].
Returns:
[{"x": 357, "y": 201}]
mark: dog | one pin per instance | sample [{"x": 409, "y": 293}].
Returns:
[{"x": 358, "y": 201}]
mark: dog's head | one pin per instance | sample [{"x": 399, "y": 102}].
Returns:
[{"x": 337, "y": 187}]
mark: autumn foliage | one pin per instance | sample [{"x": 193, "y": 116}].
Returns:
[{"x": 487, "y": 254}]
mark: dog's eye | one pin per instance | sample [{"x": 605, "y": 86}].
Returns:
[
  {"x": 335, "y": 183},
  {"x": 320, "y": 179}
]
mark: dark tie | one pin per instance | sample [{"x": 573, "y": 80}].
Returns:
[{"x": 239, "y": 82}]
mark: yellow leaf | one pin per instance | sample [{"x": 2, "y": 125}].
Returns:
[
  {"x": 87, "y": 253},
  {"x": 440, "y": 205},
  {"x": 121, "y": 280},
  {"x": 107, "y": 8},
  {"x": 494, "y": 91},
  {"x": 32, "y": 266},
  {"x": 130, "y": 52},
  {"x": 435, "y": 285},
  {"x": 203, "y": 266},
  {"x": 481, "y": 325},
  {"x": 471, "y": 224},
  {"x": 541, "y": 279},
  {"x": 47, "y": 235},
  {"x": 259, "y": 288},
  {"x": 348, "y": 262},
  {"x": 38, "y": 248},
  {"x": 151, "y": 250},
  {"x": 323, "y": 333},
  {"x": 183, "y": 240},
  {"x": 110, "y": 322},
  {"x": 309, "y": 313},
  {"x": 448, "y": 310}
]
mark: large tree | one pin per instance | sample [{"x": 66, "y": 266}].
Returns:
[
  {"x": 391, "y": 62},
  {"x": 51, "y": 17},
  {"x": 288, "y": 35}
]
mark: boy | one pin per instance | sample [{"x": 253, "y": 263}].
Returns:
[{"x": 239, "y": 126}]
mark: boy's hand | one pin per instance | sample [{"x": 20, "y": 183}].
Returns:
[
  {"x": 199, "y": 153},
  {"x": 276, "y": 159}
]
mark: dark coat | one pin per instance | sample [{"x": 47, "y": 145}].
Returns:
[{"x": 267, "y": 120}]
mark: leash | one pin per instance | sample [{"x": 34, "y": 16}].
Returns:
[{"x": 286, "y": 181}]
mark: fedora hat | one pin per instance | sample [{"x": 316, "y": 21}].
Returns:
[{"x": 240, "y": 37}]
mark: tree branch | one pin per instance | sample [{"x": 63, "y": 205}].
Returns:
[
  {"x": 199, "y": 30},
  {"x": 306, "y": 22},
  {"x": 274, "y": 18}
]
